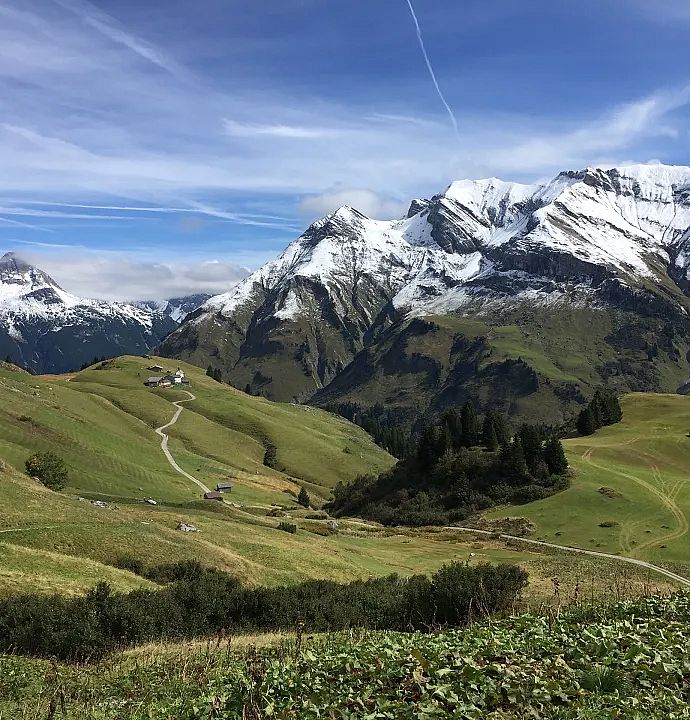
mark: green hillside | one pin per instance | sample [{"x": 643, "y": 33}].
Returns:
[
  {"x": 102, "y": 422},
  {"x": 631, "y": 487},
  {"x": 531, "y": 364}
]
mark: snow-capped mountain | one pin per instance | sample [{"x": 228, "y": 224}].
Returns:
[
  {"x": 176, "y": 309},
  {"x": 609, "y": 240},
  {"x": 46, "y": 329}
]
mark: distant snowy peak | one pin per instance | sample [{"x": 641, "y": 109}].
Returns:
[
  {"x": 176, "y": 309},
  {"x": 14, "y": 272},
  {"x": 27, "y": 290},
  {"x": 47, "y": 329}
]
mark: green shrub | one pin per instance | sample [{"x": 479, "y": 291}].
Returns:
[
  {"x": 288, "y": 527},
  {"x": 49, "y": 468},
  {"x": 129, "y": 563},
  {"x": 303, "y": 498},
  {"x": 197, "y": 602}
]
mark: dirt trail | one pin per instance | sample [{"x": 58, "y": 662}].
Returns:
[
  {"x": 631, "y": 561},
  {"x": 164, "y": 442}
]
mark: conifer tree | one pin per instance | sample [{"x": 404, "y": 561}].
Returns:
[
  {"x": 513, "y": 465},
  {"x": 452, "y": 421},
  {"x": 501, "y": 426},
  {"x": 531, "y": 443},
  {"x": 489, "y": 435},
  {"x": 585, "y": 422},
  {"x": 470, "y": 424},
  {"x": 303, "y": 498},
  {"x": 428, "y": 446},
  {"x": 554, "y": 456}
]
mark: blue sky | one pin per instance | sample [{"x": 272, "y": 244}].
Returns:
[{"x": 159, "y": 147}]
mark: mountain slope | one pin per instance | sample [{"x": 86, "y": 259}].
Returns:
[
  {"x": 540, "y": 289},
  {"x": 47, "y": 329}
]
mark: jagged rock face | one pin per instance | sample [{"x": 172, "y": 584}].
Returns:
[
  {"x": 46, "y": 329},
  {"x": 614, "y": 242}
]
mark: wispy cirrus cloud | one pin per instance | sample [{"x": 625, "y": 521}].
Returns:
[
  {"x": 101, "y": 125},
  {"x": 293, "y": 132},
  {"x": 107, "y": 26}
]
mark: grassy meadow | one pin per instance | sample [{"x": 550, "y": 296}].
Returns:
[
  {"x": 102, "y": 422},
  {"x": 631, "y": 486}
]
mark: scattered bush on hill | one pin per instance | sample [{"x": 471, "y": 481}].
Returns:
[
  {"x": 49, "y": 468},
  {"x": 197, "y": 601},
  {"x": 214, "y": 373},
  {"x": 288, "y": 527},
  {"x": 270, "y": 454},
  {"x": 459, "y": 468},
  {"x": 303, "y": 498}
]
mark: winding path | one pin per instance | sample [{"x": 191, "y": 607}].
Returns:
[
  {"x": 631, "y": 561},
  {"x": 164, "y": 442}
]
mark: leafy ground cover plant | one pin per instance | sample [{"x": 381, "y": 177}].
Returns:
[{"x": 628, "y": 660}]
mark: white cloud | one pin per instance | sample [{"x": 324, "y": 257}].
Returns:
[
  {"x": 367, "y": 202},
  {"x": 294, "y": 132},
  {"x": 115, "y": 276}
]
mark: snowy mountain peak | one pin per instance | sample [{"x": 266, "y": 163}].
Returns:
[
  {"x": 630, "y": 222},
  {"x": 14, "y": 271},
  {"x": 47, "y": 329},
  {"x": 334, "y": 309}
]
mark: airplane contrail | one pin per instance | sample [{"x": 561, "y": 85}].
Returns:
[{"x": 420, "y": 37}]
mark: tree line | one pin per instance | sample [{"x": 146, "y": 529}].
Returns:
[
  {"x": 215, "y": 373},
  {"x": 197, "y": 602},
  {"x": 381, "y": 425},
  {"x": 460, "y": 466},
  {"x": 603, "y": 409}
]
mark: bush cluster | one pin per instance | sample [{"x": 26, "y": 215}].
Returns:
[
  {"x": 49, "y": 468},
  {"x": 197, "y": 601}
]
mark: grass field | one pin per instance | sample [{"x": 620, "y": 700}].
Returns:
[
  {"x": 631, "y": 488},
  {"x": 102, "y": 422}
]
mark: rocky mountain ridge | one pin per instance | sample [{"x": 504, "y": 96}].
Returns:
[{"x": 613, "y": 244}]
